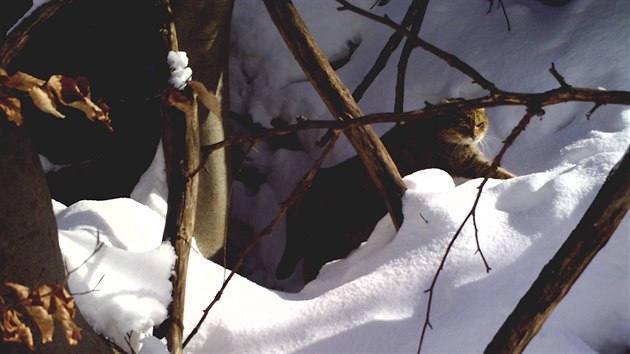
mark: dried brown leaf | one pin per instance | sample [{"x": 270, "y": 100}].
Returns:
[
  {"x": 12, "y": 107},
  {"x": 44, "y": 100},
  {"x": 41, "y": 96},
  {"x": 178, "y": 99},
  {"x": 75, "y": 93},
  {"x": 21, "y": 291},
  {"x": 14, "y": 330},
  {"x": 23, "y": 82},
  {"x": 64, "y": 311},
  {"x": 207, "y": 98},
  {"x": 46, "y": 304}
]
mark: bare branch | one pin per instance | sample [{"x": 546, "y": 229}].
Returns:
[
  {"x": 418, "y": 18},
  {"x": 450, "y": 59},
  {"x": 295, "y": 196},
  {"x": 520, "y": 127},
  {"x": 501, "y": 98},
  {"x": 341, "y": 105},
  {"x": 183, "y": 146},
  {"x": 500, "y": 5},
  {"x": 557, "y": 277},
  {"x": 558, "y": 77},
  {"x": 414, "y": 14}
]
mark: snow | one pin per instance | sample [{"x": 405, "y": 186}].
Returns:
[
  {"x": 375, "y": 300},
  {"x": 180, "y": 72}
]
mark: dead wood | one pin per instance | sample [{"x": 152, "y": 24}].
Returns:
[
  {"x": 557, "y": 277},
  {"x": 341, "y": 105},
  {"x": 413, "y": 17},
  {"x": 420, "y": 7}
]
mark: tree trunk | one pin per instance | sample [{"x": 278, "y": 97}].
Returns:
[
  {"x": 29, "y": 243},
  {"x": 203, "y": 31}
]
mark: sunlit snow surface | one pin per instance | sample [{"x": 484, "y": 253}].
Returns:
[{"x": 375, "y": 300}]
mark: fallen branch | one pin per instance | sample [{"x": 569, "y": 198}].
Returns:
[{"x": 556, "y": 279}]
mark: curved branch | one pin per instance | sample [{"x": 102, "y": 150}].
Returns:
[
  {"x": 449, "y": 58},
  {"x": 414, "y": 15}
]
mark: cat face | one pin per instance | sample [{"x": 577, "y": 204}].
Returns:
[{"x": 468, "y": 128}]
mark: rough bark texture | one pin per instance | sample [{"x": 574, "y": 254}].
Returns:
[
  {"x": 555, "y": 280},
  {"x": 340, "y": 103},
  {"x": 29, "y": 243},
  {"x": 203, "y": 29},
  {"x": 182, "y": 205}
]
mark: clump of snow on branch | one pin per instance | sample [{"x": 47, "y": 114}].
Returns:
[{"x": 180, "y": 72}]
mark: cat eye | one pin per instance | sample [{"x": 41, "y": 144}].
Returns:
[{"x": 481, "y": 124}]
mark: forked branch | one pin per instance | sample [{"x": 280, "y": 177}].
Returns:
[
  {"x": 341, "y": 105},
  {"x": 450, "y": 59}
]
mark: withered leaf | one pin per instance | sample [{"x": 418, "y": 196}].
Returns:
[
  {"x": 23, "y": 82},
  {"x": 40, "y": 94},
  {"x": 47, "y": 303},
  {"x": 45, "y": 95},
  {"x": 207, "y": 98},
  {"x": 11, "y": 106},
  {"x": 178, "y": 99},
  {"x": 64, "y": 311},
  {"x": 75, "y": 93},
  {"x": 14, "y": 330}
]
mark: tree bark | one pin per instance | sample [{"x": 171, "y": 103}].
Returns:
[
  {"x": 182, "y": 205},
  {"x": 555, "y": 280},
  {"x": 341, "y": 105},
  {"x": 29, "y": 242},
  {"x": 203, "y": 29}
]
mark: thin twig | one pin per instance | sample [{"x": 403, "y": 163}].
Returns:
[
  {"x": 93, "y": 290},
  {"x": 411, "y": 16},
  {"x": 500, "y": 98},
  {"x": 558, "y": 77},
  {"x": 450, "y": 59},
  {"x": 595, "y": 107},
  {"x": 483, "y": 257},
  {"x": 296, "y": 194},
  {"x": 418, "y": 18},
  {"x": 500, "y": 5},
  {"x": 96, "y": 250},
  {"x": 507, "y": 143}
]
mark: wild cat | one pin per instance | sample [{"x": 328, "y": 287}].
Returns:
[{"x": 342, "y": 206}]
